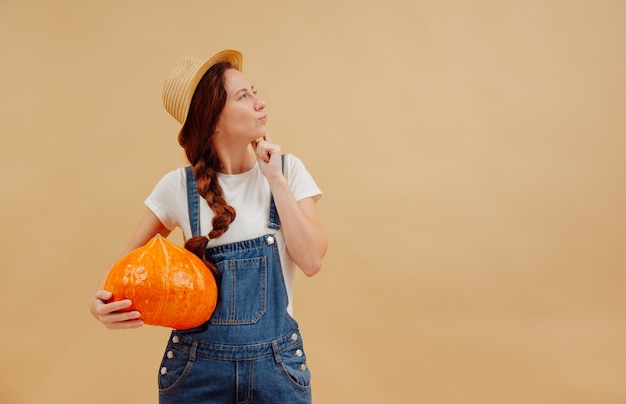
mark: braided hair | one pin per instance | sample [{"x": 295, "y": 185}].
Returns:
[{"x": 197, "y": 139}]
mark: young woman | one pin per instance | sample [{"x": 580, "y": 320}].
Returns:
[{"x": 250, "y": 211}]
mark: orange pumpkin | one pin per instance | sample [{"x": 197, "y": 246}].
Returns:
[{"x": 167, "y": 284}]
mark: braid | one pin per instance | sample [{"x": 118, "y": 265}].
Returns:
[
  {"x": 223, "y": 214},
  {"x": 210, "y": 189}
]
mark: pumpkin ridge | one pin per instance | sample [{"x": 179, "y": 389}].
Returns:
[
  {"x": 167, "y": 274},
  {"x": 139, "y": 255}
]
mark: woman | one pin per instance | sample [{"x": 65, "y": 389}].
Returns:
[{"x": 255, "y": 221}]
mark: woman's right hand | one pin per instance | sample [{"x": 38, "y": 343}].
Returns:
[{"x": 109, "y": 315}]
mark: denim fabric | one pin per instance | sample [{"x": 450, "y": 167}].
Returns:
[
  {"x": 203, "y": 372},
  {"x": 250, "y": 350}
]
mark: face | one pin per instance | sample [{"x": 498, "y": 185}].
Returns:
[{"x": 243, "y": 117}]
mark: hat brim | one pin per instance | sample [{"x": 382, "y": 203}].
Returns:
[{"x": 232, "y": 57}]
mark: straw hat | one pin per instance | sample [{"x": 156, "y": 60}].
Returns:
[{"x": 182, "y": 82}]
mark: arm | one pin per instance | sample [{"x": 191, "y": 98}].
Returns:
[
  {"x": 305, "y": 238},
  {"x": 149, "y": 225},
  {"x": 303, "y": 232}
]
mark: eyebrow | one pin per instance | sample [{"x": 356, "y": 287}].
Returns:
[{"x": 245, "y": 89}]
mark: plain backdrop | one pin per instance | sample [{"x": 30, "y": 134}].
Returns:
[{"x": 471, "y": 155}]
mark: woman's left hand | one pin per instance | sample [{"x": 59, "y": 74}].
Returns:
[{"x": 268, "y": 157}]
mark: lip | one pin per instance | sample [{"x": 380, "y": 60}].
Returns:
[{"x": 263, "y": 118}]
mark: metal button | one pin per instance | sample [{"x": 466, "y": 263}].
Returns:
[
  {"x": 299, "y": 352},
  {"x": 170, "y": 354},
  {"x": 294, "y": 336},
  {"x": 163, "y": 370},
  {"x": 303, "y": 367},
  {"x": 175, "y": 339},
  {"x": 270, "y": 240}
]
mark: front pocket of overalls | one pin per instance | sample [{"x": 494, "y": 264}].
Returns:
[
  {"x": 294, "y": 368},
  {"x": 243, "y": 291},
  {"x": 175, "y": 367}
]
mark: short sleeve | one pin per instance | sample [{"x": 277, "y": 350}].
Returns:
[
  {"x": 300, "y": 181},
  {"x": 168, "y": 199}
]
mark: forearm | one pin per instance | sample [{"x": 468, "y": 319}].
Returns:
[{"x": 303, "y": 233}]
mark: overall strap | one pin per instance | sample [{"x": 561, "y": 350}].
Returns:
[{"x": 193, "y": 203}]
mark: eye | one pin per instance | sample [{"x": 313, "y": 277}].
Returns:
[{"x": 246, "y": 94}]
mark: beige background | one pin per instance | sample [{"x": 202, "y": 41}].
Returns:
[{"x": 471, "y": 155}]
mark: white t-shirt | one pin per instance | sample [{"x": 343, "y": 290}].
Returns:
[{"x": 248, "y": 193}]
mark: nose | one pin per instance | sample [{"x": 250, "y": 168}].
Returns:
[{"x": 259, "y": 104}]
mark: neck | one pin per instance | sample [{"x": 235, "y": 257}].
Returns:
[{"x": 236, "y": 161}]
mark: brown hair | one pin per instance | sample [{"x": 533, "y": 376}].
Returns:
[{"x": 197, "y": 138}]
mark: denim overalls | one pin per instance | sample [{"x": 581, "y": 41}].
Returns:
[{"x": 250, "y": 350}]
